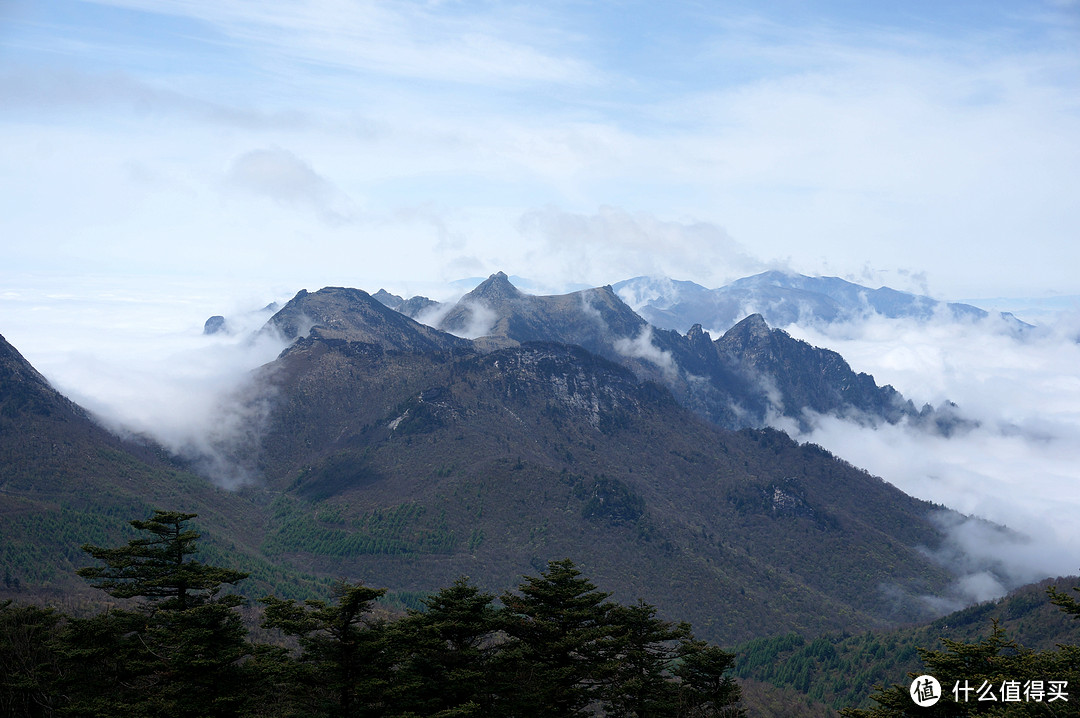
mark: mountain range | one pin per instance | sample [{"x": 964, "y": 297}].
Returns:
[
  {"x": 784, "y": 298},
  {"x": 405, "y": 455},
  {"x": 748, "y": 377},
  {"x": 781, "y": 298}
]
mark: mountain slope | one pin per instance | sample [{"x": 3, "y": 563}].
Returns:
[
  {"x": 352, "y": 314},
  {"x": 842, "y": 669},
  {"x": 66, "y": 481},
  {"x": 808, "y": 378},
  {"x": 412, "y": 468},
  {"x": 499, "y": 312}
]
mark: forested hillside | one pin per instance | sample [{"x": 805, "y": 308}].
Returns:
[
  {"x": 177, "y": 645},
  {"x": 841, "y": 670}
]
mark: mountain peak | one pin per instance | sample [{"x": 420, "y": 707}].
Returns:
[
  {"x": 353, "y": 315},
  {"x": 697, "y": 335},
  {"x": 497, "y": 287},
  {"x": 753, "y": 327},
  {"x": 387, "y": 299}
]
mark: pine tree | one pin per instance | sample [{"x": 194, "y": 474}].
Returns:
[
  {"x": 706, "y": 690},
  {"x": 28, "y": 660},
  {"x": 178, "y": 653},
  {"x": 642, "y": 650},
  {"x": 967, "y": 672},
  {"x": 559, "y": 626},
  {"x": 157, "y": 567}
]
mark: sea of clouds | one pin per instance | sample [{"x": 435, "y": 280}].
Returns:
[{"x": 1019, "y": 467}]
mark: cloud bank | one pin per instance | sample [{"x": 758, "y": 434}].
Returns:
[
  {"x": 1020, "y": 467},
  {"x": 138, "y": 360}
]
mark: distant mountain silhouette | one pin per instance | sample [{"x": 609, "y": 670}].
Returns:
[{"x": 782, "y": 298}]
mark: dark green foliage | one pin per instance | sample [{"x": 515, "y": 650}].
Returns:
[
  {"x": 446, "y": 654},
  {"x": 557, "y": 648},
  {"x": 964, "y": 668},
  {"x": 559, "y": 626},
  {"x": 28, "y": 661},
  {"x": 707, "y": 690},
  {"x": 157, "y": 567},
  {"x": 343, "y": 662},
  {"x": 641, "y": 651},
  {"x": 179, "y": 652},
  {"x": 841, "y": 670},
  {"x": 1068, "y": 604},
  {"x": 611, "y": 501},
  {"x": 403, "y": 529}
]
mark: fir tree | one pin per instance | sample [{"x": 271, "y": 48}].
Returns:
[
  {"x": 642, "y": 650},
  {"x": 178, "y": 653},
  {"x": 559, "y": 626},
  {"x": 28, "y": 660},
  {"x": 706, "y": 689},
  {"x": 972, "y": 678},
  {"x": 446, "y": 653},
  {"x": 157, "y": 567}
]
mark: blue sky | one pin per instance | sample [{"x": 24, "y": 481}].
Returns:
[{"x": 929, "y": 146}]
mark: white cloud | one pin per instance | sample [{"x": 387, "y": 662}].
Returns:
[
  {"x": 823, "y": 147},
  {"x": 642, "y": 347},
  {"x": 134, "y": 354},
  {"x": 1020, "y": 467},
  {"x": 283, "y": 177},
  {"x": 482, "y": 319},
  {"x": 614, "y": 244}
]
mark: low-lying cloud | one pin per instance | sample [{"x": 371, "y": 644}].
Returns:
[
  {"x": 199, "y": 399},
  {"x": 1019, "y": 467},
  {"x": 615, "y": 242},
  {"x": 642, "y": 347},
  {"x": 112, "y": 351}
]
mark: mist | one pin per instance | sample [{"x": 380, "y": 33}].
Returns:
[
  {"x": 1018, "y": 467},
  {"x": 642, "y": 347},
  {"x": 140, "y": 363}
]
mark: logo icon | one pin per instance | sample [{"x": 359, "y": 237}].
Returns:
[{"x": 925, "y": 691}]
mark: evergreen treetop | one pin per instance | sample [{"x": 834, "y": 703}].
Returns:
[{"x": 157, "y": 566}]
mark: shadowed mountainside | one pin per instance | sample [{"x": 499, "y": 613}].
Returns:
[{"x": 66, "y": 481}]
